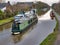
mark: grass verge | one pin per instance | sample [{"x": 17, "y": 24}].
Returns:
[
  {"x": 52, "y": 37},
  {"x": 6, "y": 21}
]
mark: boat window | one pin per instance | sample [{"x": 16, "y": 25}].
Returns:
[
  {"x": 21, "y": 16},
  {"x": 29, "y": 21}
]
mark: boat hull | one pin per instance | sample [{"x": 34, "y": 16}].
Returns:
[{"x": 22, "y": 27}]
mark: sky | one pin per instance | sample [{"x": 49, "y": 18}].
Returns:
[{"x": 49, "y": 2}]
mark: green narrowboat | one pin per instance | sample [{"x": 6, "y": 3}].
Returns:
[{"x": 23, "y": 21}]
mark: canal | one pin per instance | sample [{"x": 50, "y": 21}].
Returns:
[
  {"x": 33, "y": 36},
  {"x": 6, "y": 34}
]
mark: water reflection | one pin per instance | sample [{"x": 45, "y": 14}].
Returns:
[
  {"x": 5, "y": 27},
  {"x": 1, "y": 28},
  {"x": 16, "y": 38}
]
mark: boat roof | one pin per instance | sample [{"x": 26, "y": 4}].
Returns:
[{"x": 20, "y": 15}]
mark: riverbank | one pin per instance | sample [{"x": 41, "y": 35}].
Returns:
[
  {"x": 52, "y": 37},
  {"x": 5, "y": 21},
  {"x": 57, "y": 41}
]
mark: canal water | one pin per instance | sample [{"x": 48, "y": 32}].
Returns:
[
  {"x": 5, "y": 30},
  {"x": 4, "y": 27},
  {"x": 33, "y": 36}
]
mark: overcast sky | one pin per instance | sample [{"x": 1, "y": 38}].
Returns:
[{"x": 50, "y": 2}]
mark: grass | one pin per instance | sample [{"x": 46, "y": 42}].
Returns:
[
  {"x": 6, "y": 20},
  {"x": 52, "y": 37}
]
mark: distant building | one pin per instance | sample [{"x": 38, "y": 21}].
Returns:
[
  {"x": 18, "y": 6},
  {"x": 3, "y": 6}
]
